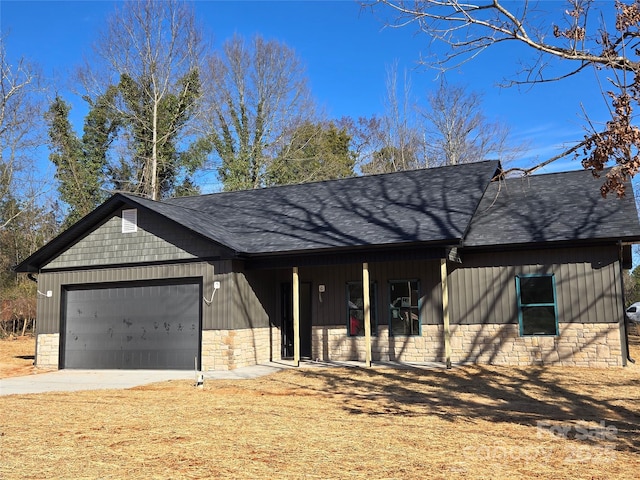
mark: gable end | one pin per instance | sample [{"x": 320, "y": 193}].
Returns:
[{"x": 131, "y": 236}]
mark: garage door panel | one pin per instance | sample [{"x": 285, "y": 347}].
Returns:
[
  {"x": 143, "y": 326},
  {"x": 123, "y": 359}
]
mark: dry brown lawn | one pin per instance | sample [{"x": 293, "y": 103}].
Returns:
[
  {"x": 16, "y": 356},
  {"x": 476, "y": 422}
]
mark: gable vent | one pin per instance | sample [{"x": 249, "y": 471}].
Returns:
[{"x": 129, "y": 221}]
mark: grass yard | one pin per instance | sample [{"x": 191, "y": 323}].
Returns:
[
  {"x": 476, "y": 422},
  {"x": 16, "y": 356}
]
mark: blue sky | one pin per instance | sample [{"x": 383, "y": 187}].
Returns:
[{"x": 346, "y": 51}]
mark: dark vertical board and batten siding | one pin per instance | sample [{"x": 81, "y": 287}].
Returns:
[{"x": 483, "y": 287}]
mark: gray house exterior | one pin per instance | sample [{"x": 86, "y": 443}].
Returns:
[{"x": 436, "y": 265}]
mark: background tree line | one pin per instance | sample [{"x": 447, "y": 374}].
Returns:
[{"x": 166, "y": 112}]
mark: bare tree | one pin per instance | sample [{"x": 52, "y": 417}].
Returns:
[
  {"x": 256, "y": 94},
  {"x": 458, "y": 131},
  {"x": 395, "y": 141},
  {"x": 400, "y": 122},
  {"x": 21, "y": 132},
  {"x": 24, "y": 224},
  {"x": 449, "y": 129},
  {"x": 151, "y": 50},
  {"x": 581, "y": 40}
]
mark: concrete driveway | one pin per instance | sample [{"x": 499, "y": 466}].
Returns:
[{"x": 73, "y": 380}]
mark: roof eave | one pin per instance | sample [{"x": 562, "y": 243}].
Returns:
[
  {"x": 629, "y": 240},
  {"x": 339, "y": 255}
]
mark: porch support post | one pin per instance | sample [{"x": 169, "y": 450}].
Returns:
[
  {"x": 445, "y": 310},
  {"x": 296, "y": 317},
  {"x": 367, "y": 313}
]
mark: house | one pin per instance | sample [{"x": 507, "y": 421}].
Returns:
[{"x": 435, "y": 265}]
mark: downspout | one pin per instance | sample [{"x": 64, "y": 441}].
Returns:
[
  {"x": 624, "y": 316},
  {"x": 626, "y": 340}
]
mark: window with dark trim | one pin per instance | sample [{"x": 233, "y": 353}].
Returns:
[
  {"x": 355, "y": 309},
  {"x": 537, "y": 308},
  {"x": 404, "y": 308}
]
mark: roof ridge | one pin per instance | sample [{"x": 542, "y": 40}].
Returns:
[{"x": 337, "y": 180}]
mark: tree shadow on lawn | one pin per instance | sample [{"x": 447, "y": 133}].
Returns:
[{"x": 536, "y": 396}]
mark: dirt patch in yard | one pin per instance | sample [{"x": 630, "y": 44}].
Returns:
[
  {"x": 17, "y": 356},
  {"x": 479, "y": 422}
]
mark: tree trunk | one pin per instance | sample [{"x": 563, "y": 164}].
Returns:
[
  {"x": 154, "y": 153},
  {"x": 24, "y": 326}
]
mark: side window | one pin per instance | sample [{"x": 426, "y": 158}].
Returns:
[
  {"x": 537, "y": 309},
  {"x": 355, "y": 309},
  {"x": 404, "y": 308}
]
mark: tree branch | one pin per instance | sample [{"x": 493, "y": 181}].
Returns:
[{"x": 531, "y": 170}]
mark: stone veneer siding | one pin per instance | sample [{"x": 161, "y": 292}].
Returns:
[
  {"x": 332, "y": 343},
  {"x": 580, "y": 345},
  {"x": 231, "y": 349},
  {"x": 583, "y": 345},
  {"x": 48, "y": 350}
]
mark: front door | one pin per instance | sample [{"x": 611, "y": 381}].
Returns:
[{"x": 286, "y": 305}]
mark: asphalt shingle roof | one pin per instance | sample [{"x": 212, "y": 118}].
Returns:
[
  {"x": 552, "y": 208},
  {"x": 428, "y": 205},
  {"x": 438, "y": 206}
]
